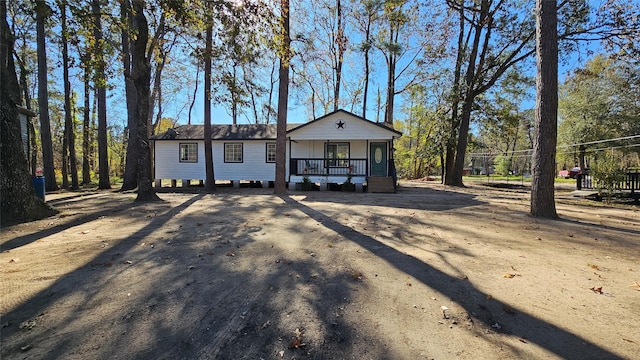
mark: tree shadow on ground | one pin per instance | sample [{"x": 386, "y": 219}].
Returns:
[
  {"x": 103, "y": 207},
  {"x": 173, "y": 289},
  {"x": 521, "y": 325}
]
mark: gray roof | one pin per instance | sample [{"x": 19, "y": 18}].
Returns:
[{"x": 223, "y": 132}]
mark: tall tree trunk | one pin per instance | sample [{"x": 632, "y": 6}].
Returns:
[
  {"x": 156, "y": 93},
  {"x": 130, "y": 177},
  {"x": 86, "y": 128},
  {"x": 210, "y": 182},
  {"x": 64, "y": 157},
  {"x": 469, "y": 95},
  {"x": 43, "y": 11},
  {"x": 195, "y": 91},
  {"x": 101, "y": 87},
  {"x": 367, "y": 71},
  {"x": 69, "y": 128},
  {"x": 546, "y": 122},
  {"x": 342, "y": 47},
  {"x": 283, "y": 100},
  {"x": 18, "y": 201},
  {"x": 141, "y": 76}
]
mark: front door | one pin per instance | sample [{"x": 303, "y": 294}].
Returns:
[{"x": 378, "y": 159}]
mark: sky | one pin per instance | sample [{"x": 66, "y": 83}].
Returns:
[{"x": 298, "y": 111}]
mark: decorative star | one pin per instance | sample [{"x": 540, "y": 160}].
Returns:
[{"x": 340, "y": 124}]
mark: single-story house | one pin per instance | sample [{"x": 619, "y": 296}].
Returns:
[{"x": 330, "y": 150}]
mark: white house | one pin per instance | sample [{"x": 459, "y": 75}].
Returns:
[{"x": 328, "y": 151}]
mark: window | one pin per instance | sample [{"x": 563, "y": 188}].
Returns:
[
  {"x": 233, "y": 153},
  {"x": 271, "y": 152},
  {"x": 189, "y": 152},
  {"x": 337, "y": 154}
]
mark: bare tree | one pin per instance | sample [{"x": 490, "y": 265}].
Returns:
[
  {"x": 283, "y": 98},
  {"x": 210, "y": 182},
  {"x": 141, "y": 76},
  {"x": 101, "y": 90},
  {"x": 546, "y": 121},
  {"x": 42, "y": 12},
  {"x": 69, "y": 129}
]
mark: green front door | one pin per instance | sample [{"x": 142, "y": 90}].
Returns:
[{"x": 378, "y": 159}]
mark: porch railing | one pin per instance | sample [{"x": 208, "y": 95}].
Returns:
[
  {"x": 328, "y": 167},
  {"x": 630, "y": 182}
]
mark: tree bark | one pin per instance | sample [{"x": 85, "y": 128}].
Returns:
[
  {"x": 367, "y": 71},
  {"x": 209, "y": 182},
  {"x": 130, "y": 177},
  {"x": 342, "y": 47},
  {"x": 86, "y": 127},
  {"x": 283, "y": 101},
  {"x": 101, "y": 89},
  {"x": 69, "y": 128},
  {"x": 546, "y": 121},
  {"x": 141, "y": 76},
  {"x": 42, "y": 11},
  {"x": 18, "y": 201}
]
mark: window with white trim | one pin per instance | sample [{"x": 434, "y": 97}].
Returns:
[
  {"x": 189, "y": 152},
  {"x": 233, "y": 152},
  {"x": 271, "y": 152},
  {"x": 337, "y": 154}
]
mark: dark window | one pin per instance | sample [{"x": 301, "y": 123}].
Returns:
[
  {"x": 337, "y": 154},
  {"x": 233, "y": 153},
  {"x": 189, "y": 152},
  {"x": 271, "y": 152}
]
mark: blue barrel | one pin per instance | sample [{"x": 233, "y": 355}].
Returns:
[{"x": 38, "y": 185}]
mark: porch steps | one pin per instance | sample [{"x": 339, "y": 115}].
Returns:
[{"x": 380, "y": 184}]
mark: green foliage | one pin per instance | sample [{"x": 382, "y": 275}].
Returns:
[
  {"x": 503, "y": 164},
  {"x": 607, "y": 174},
  {"x": 306, "y": 182},
  {"x": 418, "y": 150},
  {"x": 599, "y": 102}
]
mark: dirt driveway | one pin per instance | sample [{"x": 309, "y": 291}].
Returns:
[{"x": 431, "y": 272}]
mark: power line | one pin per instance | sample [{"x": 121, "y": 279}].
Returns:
[{"x": 567, "y": 146}]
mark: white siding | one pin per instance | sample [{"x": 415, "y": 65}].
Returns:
[
  {"x": 168, "y": 165},
  {"x": 253, "y": 167},
  {"x": 315, "y": 149},
  {"x": 353, "y": 129}
]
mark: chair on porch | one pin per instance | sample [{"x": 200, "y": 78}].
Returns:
[{"x": 310, "y": 167}]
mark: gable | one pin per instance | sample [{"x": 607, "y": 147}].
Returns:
[{"x": 342, "y": 125}]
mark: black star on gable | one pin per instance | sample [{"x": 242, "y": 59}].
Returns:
[{"x": 340, "y": 124}]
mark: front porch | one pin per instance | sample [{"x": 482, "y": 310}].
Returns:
[{"x": 327, "y": 171}]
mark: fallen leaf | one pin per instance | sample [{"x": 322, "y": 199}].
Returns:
[
  {"x": 231, "y": 253},
  {"x": 298, "y": 333},
  {"x": 597, "y": 290},
  {"x": 635, "y": 286},
  {"x": 522, "y": 340},
  {"x": 628, "y": 340},
  {"x": 509, "y": 276},
  {"x": 356, "y": 275},
  {"x": 595, "y": 267}
]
